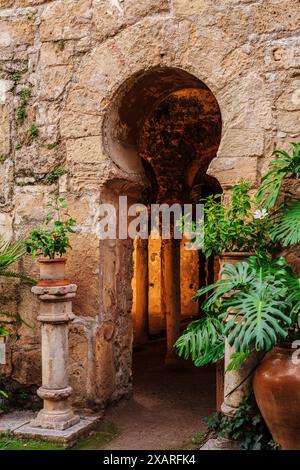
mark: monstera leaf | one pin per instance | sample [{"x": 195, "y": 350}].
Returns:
[
  {"x": 10, "y": 253},
  {"x": 283, "y": 166},
  {"x": 259, "y": 319},
  {"x": 203, "y": 341},
  {"x": 286, "y": 224}
]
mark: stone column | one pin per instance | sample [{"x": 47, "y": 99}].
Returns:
[
  {"x": 141, "y": 292},
  {"x": 237, "y": 383},
  {"x": 55, "y": 314},
  {"x": 170, "y": 272}
]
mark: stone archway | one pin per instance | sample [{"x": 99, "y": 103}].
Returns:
[{"x": 166, "y": 120}]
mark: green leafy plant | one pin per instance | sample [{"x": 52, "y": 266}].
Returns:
[
  {"x": 246, "y": 427},
  {"x": 285, "y": 218},
  {"x": 10, "y": 253},
  {"x": 236, "y": 227},
  {"x": 284, "y": 166},
  {"x": 16, "y": 76},
  {"x": 53, "y": 176},
  {"x": 54, "y": 241},
  {"x": 52, "y": 146},
  {"x": 203, "y": 341},
  {"x": 258, "y": 303},
  {"x": 32, "y": 132},
  {"x": 24, "y": 95}
]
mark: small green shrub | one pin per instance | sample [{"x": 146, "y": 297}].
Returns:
[
  {"x": 247, "y": 427},
  {"x": 24, "y": 95},
  {"x": 32, "y": 132},
  {"x": 52, "y": 242},
  {"x": 53, "y": 176}
]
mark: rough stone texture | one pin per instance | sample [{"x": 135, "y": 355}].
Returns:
[
  {"x": 96, "y": 70},
  {"x": 220, "y": 443},
  {"x": 19, "y": 424}
]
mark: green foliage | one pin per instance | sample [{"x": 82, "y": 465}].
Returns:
[
  {"x": 203, "y": 341},
  {"x": 53, "y": 176},
  {"x": 24, "y": 95},
  {"x": 258, "y": 303},
  {"x": 18, "y": 146},
  {"x": 10, "y": 253},
  {"x": 16, "y": 76},
  {"x": 3, "y": 158},
  {"x": 52, "y": 146},
  {"x": 32, "y": 132},
  {"x": 9, "y": 442},
  {"x": 286, "y": 224},
  {"x": 283, "y": 166},
  {"x": 232, "y": 228},
  {"x": 246, "y": 427},
  {"x": 54, "y": 241},
  {"x": 60, "y": 44}
]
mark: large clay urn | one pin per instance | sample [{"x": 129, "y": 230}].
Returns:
[
  {"x": 277, "y": 391},
  {"x": 231, "y": 258}
]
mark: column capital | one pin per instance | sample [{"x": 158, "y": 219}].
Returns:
[
  {"x": 56, "y": 304},
  {"x": 55, "y": 293}
]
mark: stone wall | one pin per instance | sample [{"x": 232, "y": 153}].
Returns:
[{"x": 62, "y": 63}]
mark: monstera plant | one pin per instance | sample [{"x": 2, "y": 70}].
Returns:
[
  {"x": 255, "y": 305},
  {"x": 285, "y": 216}
]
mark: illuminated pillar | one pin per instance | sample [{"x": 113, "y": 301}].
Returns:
[
  {"x": 141, "y": 292},
  {"x": 170, "y": 271}
]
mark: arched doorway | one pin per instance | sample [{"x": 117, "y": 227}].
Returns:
[{"x": 162, "y": 131}]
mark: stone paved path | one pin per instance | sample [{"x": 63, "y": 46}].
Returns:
[{"x": 167, "y": 406}]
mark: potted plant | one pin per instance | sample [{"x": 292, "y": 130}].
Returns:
[
  {"x": 255, "y": 306},
  {"x": 277, "y": 379},
  {"x": 233, "y": 232},
  {"x": 52, "y": 243}
]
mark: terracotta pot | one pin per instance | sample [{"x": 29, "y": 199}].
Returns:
[
  {"x": 233, "y": 257},
  {"x": 52, "y": 272},
  {"x": 277, "y": 391}
]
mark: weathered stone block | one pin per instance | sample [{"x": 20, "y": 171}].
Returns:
[
  {"x": 279, "y": 16},
  {"x": 289, "y": 121},
  {"x": 289, "y": 100},
  {"x": 4, "y": 130},
  {"x": 5, "y": 86},
  {"x": 241, "y": 143},
  {"x": 230, "y": 171},
  {"x": 104, "y": 362},
  {"x": 27, "y": 364},
  {"x": 187, "y": 7},
  {"x": 6, "y": 182},
  {"x": 85, "y": 150},
  {"x": 56, "y": 53},
  {"x": 66, "y": 19},
  {"x": 16, "y": 31},
  {"x": 111, "y": 15},
  {"x": 6, "y": 228},
  {"x": 83, "y": 270},
  {"x": 53, "y": 81}
]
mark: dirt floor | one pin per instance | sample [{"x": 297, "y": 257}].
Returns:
[{"x": 167, "y": 407}]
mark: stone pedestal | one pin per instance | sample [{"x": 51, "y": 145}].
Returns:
[
  {"x": 237, "y": 383},
  {"x": 55, "y": 314},
  {"x": 170, "y": 264}
]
